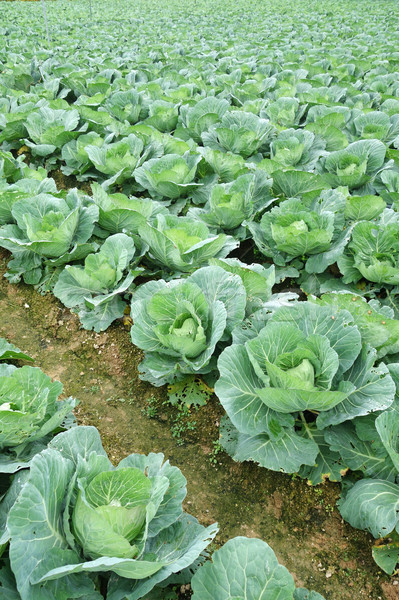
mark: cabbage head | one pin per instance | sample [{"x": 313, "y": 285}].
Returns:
[
  {"x": 30, "y": 413},
  {"x": 179, "y": 323},
  {"x": 373, "y": 252},
  {"x": 356, "y": 165},
  {"x": 311, "y": 231},
  {"x": 181, "y": 244},
  {"x": 230, "y": 204},
  {"x": 171, "y": 175}
]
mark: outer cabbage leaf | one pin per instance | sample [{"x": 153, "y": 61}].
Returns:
[
  {"x": 375, "y": 323},
  {"x": 10, "y": 352},
  {"x": 372, "y": 504},
  {"x": 286, "y": 452},
  {"x": 243, "y": 568}
]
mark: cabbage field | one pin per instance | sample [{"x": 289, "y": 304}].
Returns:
[{"x": 199, "y": 210}]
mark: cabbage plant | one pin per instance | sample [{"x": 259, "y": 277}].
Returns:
[
  {"x": 181, "y": 244},
  {"x": 377, "y": 125},
  {"x": 204, "y": 114},
  {"x": 75, "y": 156},
  {"x": 118, "y": 159},
  {"x": 296, "y": 148},
  {"x": 373, "y": 252},
  {"x": 126, "y": 106},
  {"x": 288, "y": 385},
  {"x": 356, "y": 165},
  {"x": 239, "y": 132},
  {"x": 50, "y": 230},
  {"x": 36, "y": 183},
  {"x": 179, "y": 323},
  {"x": 230, "y": 204},
  {"x": 226, "y": 165},
  {"x": 82, "y": 528},
  {"x": 171, "y": 175},
  {"x": 312, "y": 231},
  {"x": 50, "y": 129},
  {"x": 285, "y": 112},
  {"x": 94, "y": 291},
  {"x": 30, "y": 413},
  {"x": 119, "y": 213},
  {"x": 163, "y": 115}
]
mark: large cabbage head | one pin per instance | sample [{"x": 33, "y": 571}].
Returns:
[
  {"x": 118, "y": 159},
  {"x": 110, "y": 512},
  {"x": 304, "y": 371},
  {"x": 181, "y": 244},
  {"x": 356, "y": 165},
  {"x": 291, "y": 230},
  {"x": 373, "y": 252},
  {"x": 230, "y": 204},
  {"x": 82, "y": 524},
  {"x": 48, "y": 225},
  {"x": 239, "y": 132},
  {"x": 171, "y": 175},
  {"x": 179, "y": 323}
]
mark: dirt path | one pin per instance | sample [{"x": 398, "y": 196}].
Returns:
[{"x": 299, "y": 522}]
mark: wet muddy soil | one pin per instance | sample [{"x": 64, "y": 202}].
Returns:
[{"x": 300, "y": 523}]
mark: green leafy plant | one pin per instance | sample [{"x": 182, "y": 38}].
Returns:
[
  {"x": 373, "y": 251},
  {"x": 81, "y": 524},
  {"x": 179, "y": 323},
  {"x": 180, "y": 245},
  {"x": 94, "y": 291},
  {"x": 171, "y": 175},
  {"x": 50, "y": 231},
  {"x": 302, "y": 379}
]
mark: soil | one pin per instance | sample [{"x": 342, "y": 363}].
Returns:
[{"x": 299, "y": 522}]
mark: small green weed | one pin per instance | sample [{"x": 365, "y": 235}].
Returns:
[
  {"x": 151, "y": 409},
  {"x": 182, "y": 423},
  {"x": 217, "y": 449}
]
